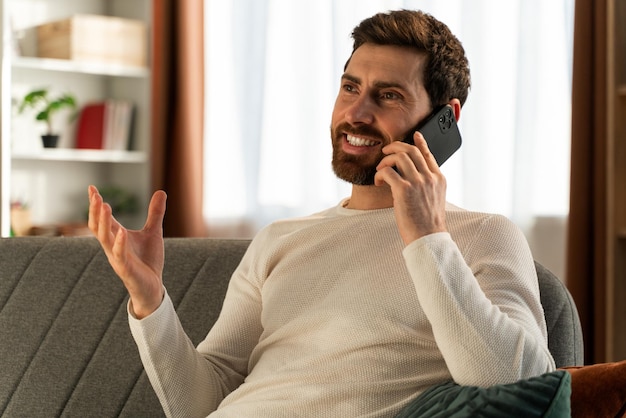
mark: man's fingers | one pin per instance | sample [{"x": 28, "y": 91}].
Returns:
[
  {"x": 119, "y": 247},
  {"x": 426, "y": 155},
  {"x": 156, "y": 211},
  {"x": 94, "y": 210},
  {"x": 104, "y": 226}
]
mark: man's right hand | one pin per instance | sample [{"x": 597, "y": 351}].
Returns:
[{"x": 136, "y": 256}]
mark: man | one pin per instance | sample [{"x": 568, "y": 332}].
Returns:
[{"x": 356, "y": 310}]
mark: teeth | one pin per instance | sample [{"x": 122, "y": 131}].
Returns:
[{"x": 360, "y": 142}]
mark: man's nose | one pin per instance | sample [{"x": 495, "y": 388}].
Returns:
[{"x": 360, "y": 111}]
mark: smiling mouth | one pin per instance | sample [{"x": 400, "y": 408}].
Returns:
[{"x": 360, "y": 142}]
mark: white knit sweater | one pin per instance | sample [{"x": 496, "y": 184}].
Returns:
[{"x": 332, "y": 316}]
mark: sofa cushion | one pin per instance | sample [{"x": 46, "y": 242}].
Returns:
[
  {"x": 547, "y": 396},
  {"x": 599, "y": 390}
]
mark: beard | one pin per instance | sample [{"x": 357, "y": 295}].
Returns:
[{"x": 355, "y": 169}]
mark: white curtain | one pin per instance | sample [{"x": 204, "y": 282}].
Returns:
[{"x": 272, "y": 71}]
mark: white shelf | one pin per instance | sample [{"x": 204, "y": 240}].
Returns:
[
  {"x": 53, "y": 180},
  {"x": 79, "y": 67},
  {"x": 82, "y": 155}
]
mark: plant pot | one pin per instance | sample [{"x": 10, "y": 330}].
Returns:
[
  {"x": 20, "y": 221},
  {"x": 50, "y": 141}
]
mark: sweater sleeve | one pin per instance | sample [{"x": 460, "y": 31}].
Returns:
[
  {"x": 176, "y": 371},
  {"x": 483, "y": 304},
  {"x": 190, "y": 381}
]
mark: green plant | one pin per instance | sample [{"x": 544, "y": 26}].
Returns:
[
  {"x": 46, "y": 106},
  {"x": 122, "y": 201}
]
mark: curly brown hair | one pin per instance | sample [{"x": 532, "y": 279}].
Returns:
[{"x": 446, "y": 74}]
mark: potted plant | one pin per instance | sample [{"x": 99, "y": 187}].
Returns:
[
  {"x": 124, "y": 203},
  {"x": 46, "y": 107}
]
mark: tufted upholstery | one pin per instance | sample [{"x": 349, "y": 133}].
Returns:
[
  {"x": 65, "y": 346},
  {"x": 565, "y": 335}
]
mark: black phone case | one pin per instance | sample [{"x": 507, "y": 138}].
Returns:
[{"x": 441, "y": 132}]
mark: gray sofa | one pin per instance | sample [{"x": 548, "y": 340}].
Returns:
[{"x": 65, "y": 346}]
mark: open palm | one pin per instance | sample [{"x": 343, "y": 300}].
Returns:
[{"x": 136, "y": 256}]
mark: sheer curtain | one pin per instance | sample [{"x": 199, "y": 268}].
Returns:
[{"x": 272, "y": 73}]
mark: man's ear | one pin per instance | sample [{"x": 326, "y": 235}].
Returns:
[{"x": 456, "y": 107}]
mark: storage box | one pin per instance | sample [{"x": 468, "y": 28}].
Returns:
[{"x": 94, "y": 38}]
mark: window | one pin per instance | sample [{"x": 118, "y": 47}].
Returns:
[{"x": 273, "y": 69}]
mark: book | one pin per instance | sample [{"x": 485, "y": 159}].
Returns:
[
  {"x": 90, "y": 129},
  {"x": 106, "y": 125}
]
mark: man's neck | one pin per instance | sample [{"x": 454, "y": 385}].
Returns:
[{"x": 370, "y": 197}]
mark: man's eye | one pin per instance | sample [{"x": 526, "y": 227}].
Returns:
[
  {"x": 349, "y": 87},
  {"x": 389, "y": 95}
]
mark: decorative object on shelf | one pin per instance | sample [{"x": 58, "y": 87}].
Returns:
[
  {"x": 20, "y": 219},
  {"x": 46, "y": 106},
  {"x": 94, "y": 38}
]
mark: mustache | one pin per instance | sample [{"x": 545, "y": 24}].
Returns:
[{"x": 364, "y": 130}]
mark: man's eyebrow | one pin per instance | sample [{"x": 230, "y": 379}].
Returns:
[
  {"x": 378, "y": 84},
  {"x": 351, "y": 78}
]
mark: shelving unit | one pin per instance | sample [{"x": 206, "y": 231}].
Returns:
[
  {"x": 51, "y": 64},
  {"x": 53, "y": 182},
  {"x": 616, "y": 175},
  {"x": 82, "y": 155}
]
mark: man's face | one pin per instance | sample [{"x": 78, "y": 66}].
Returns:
[{"x": 381, "y": 99}]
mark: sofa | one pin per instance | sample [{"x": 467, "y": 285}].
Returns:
[{"x": 65, "y": 344}]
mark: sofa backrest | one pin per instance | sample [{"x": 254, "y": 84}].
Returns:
[
  {"x": 65, "y": 344},
  {"x": 565, "y": 334}
]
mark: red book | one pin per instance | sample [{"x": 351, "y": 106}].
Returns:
[{"x": 89, "y": 133}]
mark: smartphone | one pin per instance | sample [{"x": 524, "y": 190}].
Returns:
[{"x": 441, "y": 133}]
